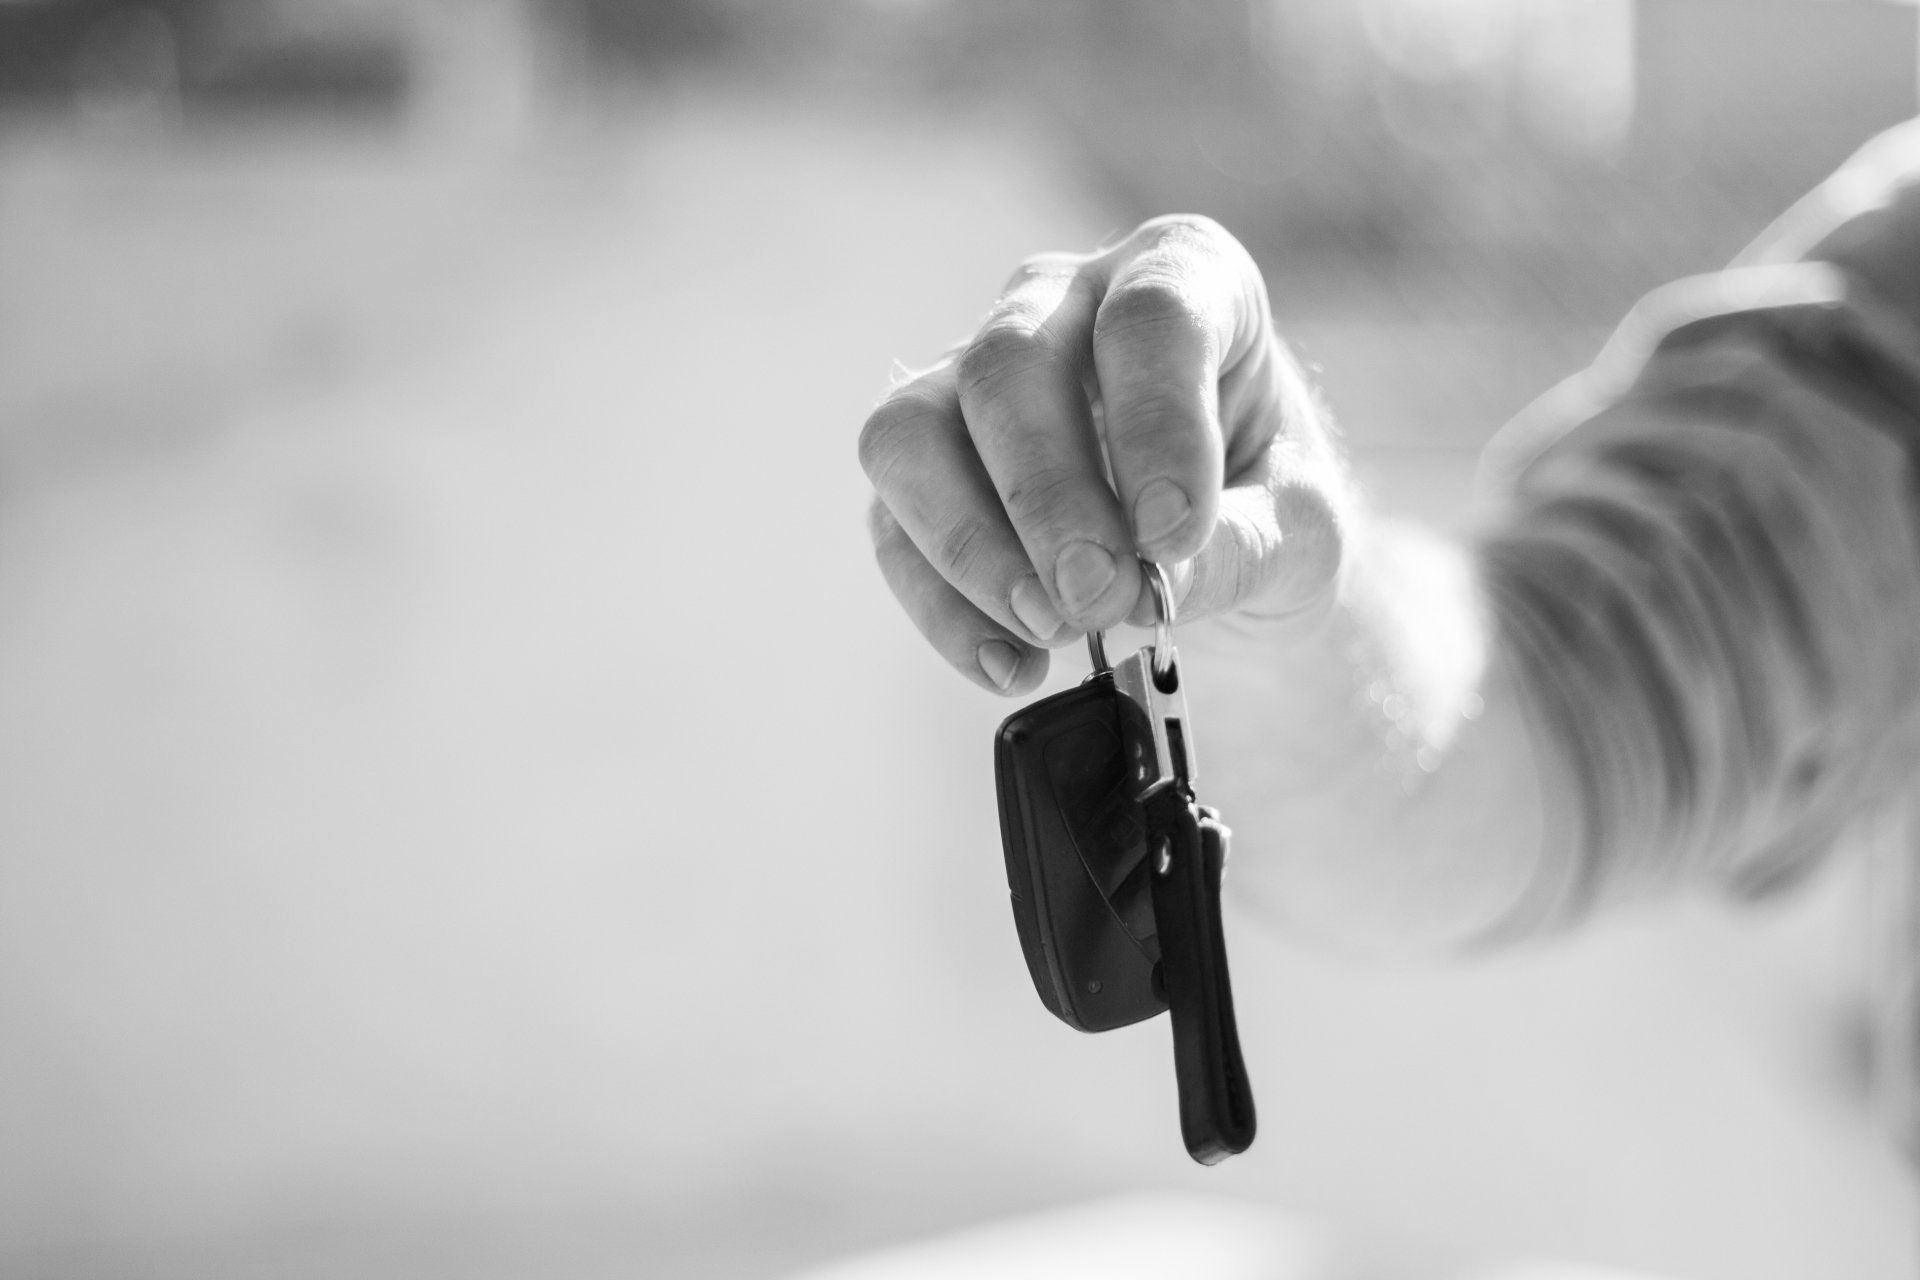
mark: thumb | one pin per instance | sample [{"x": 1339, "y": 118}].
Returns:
[{"x": 1275, "y": 549}]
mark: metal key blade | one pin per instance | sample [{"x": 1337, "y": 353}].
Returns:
[{"x": 1160, "y": 750}]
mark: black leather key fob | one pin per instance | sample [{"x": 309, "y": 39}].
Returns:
[{"x": 1216, "y": 1101}]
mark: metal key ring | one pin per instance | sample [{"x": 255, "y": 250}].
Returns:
[
  {"x": 1097, "y": 651},
  {"x": 1163, "y": 608}
]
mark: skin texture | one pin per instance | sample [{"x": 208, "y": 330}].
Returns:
[
  {"x": 1683, "y": 650},
  {"x": 993, "y": 518},
  {"x": 1358, "y": 731}
]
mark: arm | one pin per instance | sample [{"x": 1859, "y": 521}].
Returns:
[
  {"x": 1697, "y": 604},
  {"x": 1678, "y": 653}
]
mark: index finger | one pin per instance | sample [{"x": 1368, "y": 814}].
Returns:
[
  {"x": 1022, "y": 392},
  {"x": 1183, "y": 305}
]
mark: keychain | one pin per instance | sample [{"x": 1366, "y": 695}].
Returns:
[{"x": 1114, "y": 870}]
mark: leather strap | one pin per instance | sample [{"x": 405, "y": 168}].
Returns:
[{"x": 1216, "y": 1102}]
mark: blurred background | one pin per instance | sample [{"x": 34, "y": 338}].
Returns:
[{"x": 468, "y": 806}]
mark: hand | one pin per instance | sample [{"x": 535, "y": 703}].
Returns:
[{"x": 993, "y": 519}]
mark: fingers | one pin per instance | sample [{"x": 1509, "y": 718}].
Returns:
[
  {"x": 936, "y": 490},
  {"x": 1004, "y": 525},
  {"x": 1183, "y": 309},
  {"x": 979, "y": 648},
  {"x": 1022, "y": 396},
  {"x": 1275, "y": 549}
]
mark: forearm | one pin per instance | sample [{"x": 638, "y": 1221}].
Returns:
[
  {"x": 1684, "y": 651},
  {"x": 1710, "y": 601}
]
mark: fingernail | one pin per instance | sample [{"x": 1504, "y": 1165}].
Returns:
[
  {"x": 999, "y": 661},
  {"x": 1035, "y": 611},
  {"x": 1161, "y": 508},
  {"x": 1082, "y": 572}
]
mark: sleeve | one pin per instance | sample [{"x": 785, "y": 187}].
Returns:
[{"x": 1704, "y": 570}]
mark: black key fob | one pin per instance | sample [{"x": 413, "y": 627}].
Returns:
[
  {"x": 1115, "y": 871},
  {"x": 1076, "y": 848}
]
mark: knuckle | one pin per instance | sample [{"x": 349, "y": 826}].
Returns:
[
  {"x": 1006, "y": 347},
  {"x": 891, "y": 429},
  {"x": 1164, "y": 420},
  {"x": 1202, "y": 256},
  {"x": 1155, "y": 296},
  {"x": 1039, "y": 496},
  {"x": 1191, "y": 239},
  {"x": 961, "y": 548},
  {"x": 1188, "y": 230},
  {"x": 1053, "y": 263},
  {"x": 1044, "y": 266}
]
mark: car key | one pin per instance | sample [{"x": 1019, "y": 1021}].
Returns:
[
  {"x": 1075, "y": 839},
  {"x": 1115, "y": 873}
]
